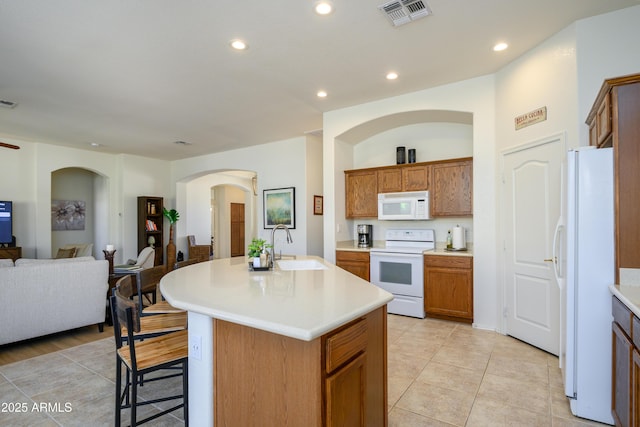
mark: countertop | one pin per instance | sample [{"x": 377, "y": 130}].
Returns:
[
  {"x": 351, "y": 245},
  {"x": 302, "y": 304},
  {"x": 629, "y": 295}
]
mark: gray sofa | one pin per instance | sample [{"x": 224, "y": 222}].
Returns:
[{"x": 40, "y": 297}]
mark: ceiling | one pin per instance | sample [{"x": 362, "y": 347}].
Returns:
[{"x": 136, "y": 76}]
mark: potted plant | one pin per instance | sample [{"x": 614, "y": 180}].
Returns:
[
  {"x": 173, "y": 216},
  {"x": 256, "y": 248}
]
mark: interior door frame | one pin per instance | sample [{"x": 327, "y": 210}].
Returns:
[{"x": 501, "y": 242}]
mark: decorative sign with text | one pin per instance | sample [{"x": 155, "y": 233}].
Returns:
[{"x": 530, "y": 118}]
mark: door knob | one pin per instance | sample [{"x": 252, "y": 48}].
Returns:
[{"x": 554, "y": 259}]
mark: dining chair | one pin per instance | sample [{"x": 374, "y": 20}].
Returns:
[
  {"x": 150, "y": 325},
  {"x": 166, "y": 354}
]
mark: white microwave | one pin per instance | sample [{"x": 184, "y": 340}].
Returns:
[{"x": 410, "y": 205}]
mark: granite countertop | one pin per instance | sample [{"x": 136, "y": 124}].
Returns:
[
  {"x": 302, "y": 304},
  {"x": 352, "y": 245}
]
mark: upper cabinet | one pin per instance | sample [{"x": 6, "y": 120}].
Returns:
[
  {"x": 449, "y": 182},
  {"x": 613, "y": 122},
  {"x": 361, "y": 188},
  {"x": 451, "y": 188}
]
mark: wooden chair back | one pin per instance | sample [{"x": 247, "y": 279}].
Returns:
[
  {"x": 150, "y": 278},
  {"x": 121, "y": 304},
  {"x": 198, "y": 252}
]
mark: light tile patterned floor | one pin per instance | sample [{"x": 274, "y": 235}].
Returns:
[
  {"x": 450, "y": 374},
  {"x": 440, "y": 374}
]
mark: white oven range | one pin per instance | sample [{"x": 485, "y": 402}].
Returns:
[{"x": 399, "y": 268}]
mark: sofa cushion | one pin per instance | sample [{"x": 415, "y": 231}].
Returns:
[
  {"x": 66, "y": 253},
  {"x": 25, "y": 262},
  {"x": 6, "y": 262},
  {"x": 82, "y": 249}
]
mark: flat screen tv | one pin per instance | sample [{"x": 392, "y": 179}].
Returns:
[{"x": 6, "y": 222}]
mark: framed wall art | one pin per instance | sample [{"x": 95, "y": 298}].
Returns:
[
  {"x": 279, "y": 207},
  {"x": 67, "y": 215},
  {"x": 317, "y": 205}
]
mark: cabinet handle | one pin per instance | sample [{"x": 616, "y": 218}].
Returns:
[{"x": 554, "y": 259}]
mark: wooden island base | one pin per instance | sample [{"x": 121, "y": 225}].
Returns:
[{"x": 266, "y": 379}]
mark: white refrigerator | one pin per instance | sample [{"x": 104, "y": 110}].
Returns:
[{"x": 590, "y": 269}]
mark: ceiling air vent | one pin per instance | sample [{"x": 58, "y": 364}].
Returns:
[
  {"x": 402, "y": 12},
  {"x": 7, "y": 104}
]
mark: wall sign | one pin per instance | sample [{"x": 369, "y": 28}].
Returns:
[{"x": 530, "y": 118}]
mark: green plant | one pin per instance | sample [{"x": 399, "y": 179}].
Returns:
[
  {"x": 257, "y": 246},
  {"x": 173, "y": 216}
]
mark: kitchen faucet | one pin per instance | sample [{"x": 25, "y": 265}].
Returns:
[{"x": 273, "y": 243}]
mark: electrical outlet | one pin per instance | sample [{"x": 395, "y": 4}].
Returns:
[{"x": 195, "y": 342}]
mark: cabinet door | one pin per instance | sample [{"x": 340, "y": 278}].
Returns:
[
  {"x": 346, "y": 395},
  {"x": 415, "y": 178},
  {"x": 448, "y": 287},
  {"x": 603, "y": 120},
  {"x": 451, "y": 188},
  {"x": 635, "y": 388},
  {"x": 389, "y": 180},
  {"x": 354, "y": 262},
  {"x": 361, "y": 192},
  {"x": 621, "y": 376}
]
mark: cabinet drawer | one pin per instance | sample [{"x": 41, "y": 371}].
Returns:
[
  {"x": 622, "y": 315},
  {"x": 361, "y": 256},
  {"x": 343, "y": 345},
  {"x": 448, "y": 261}
]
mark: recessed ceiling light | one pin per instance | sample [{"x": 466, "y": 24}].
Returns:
[
  {"x": 323, "y": 7},
  {"x": 392, "y": 75},
  {"x": 322, "y": 94},
  {"x": 95, "y": 144},
  {"x": 238, "y": 44},
  {"x": 500, "y": 47},
  {"x": 181, "y": 143}
]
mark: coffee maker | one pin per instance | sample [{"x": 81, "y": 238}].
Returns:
[{"x": 365, "y": 235}]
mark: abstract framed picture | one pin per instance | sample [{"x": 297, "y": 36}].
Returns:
[
  {"x": 279, "y": 207},
  {"x": 317, "y": 205},
  {"x": 67, "y": 215}
]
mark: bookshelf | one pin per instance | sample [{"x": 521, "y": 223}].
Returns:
[{"x": 150, "y": 224}]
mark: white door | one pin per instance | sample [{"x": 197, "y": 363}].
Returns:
[{"x": 532, "y": 189}]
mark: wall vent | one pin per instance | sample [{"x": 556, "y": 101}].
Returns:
[
  {"x": 402, "y": 12},
  {"x": 7, "y": 104}
]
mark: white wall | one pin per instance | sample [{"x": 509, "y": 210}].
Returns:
[
  {"x": 315, "y": 227},
  {"x": 607, "y": 47},
  {"x": 475, "y": 96},
  {"x": 74, "y": 184},
  {"x": 277, "y": 164}
]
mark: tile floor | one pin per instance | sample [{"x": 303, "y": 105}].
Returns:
[{"x": 440, "y": 374}]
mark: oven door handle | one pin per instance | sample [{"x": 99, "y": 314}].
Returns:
[{"x": 394, "y": 255}]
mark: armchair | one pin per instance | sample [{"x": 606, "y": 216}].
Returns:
[{"x": 198, "y": 252}]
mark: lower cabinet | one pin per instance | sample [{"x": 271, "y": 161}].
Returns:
[
  {"x": 354, "y": 262},
  {"x": 448, "y": 287},
  {"x": 266, "y": 379},
  {"x": 624, "y": 366}
]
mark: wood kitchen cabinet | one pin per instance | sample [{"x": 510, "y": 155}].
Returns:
[
  {"x": 613, "y": 122},
  {"x": 448, "y": 287},
  {"x": 410, "y": 177},
  {"x": 361, "y": 193},
  {"x": 622, "y": 365},
  {"x": 354, "y": 262},
  {"x": 452, "y": 188},
  {"x": 339, "y": 379},
  {"x": 448, "y": 181}
]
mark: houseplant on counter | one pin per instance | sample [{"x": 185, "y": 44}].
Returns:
[
  {"x": 258, "y": 247},
  {"x": 173, "y": 216}
]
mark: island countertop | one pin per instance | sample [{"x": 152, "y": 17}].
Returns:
[{"x": 302, "y": 304}]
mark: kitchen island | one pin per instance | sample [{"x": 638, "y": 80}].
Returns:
[{"x": 282, "y": 347}]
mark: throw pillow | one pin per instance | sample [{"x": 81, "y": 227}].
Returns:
[{"x": 65, "y": 253}]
